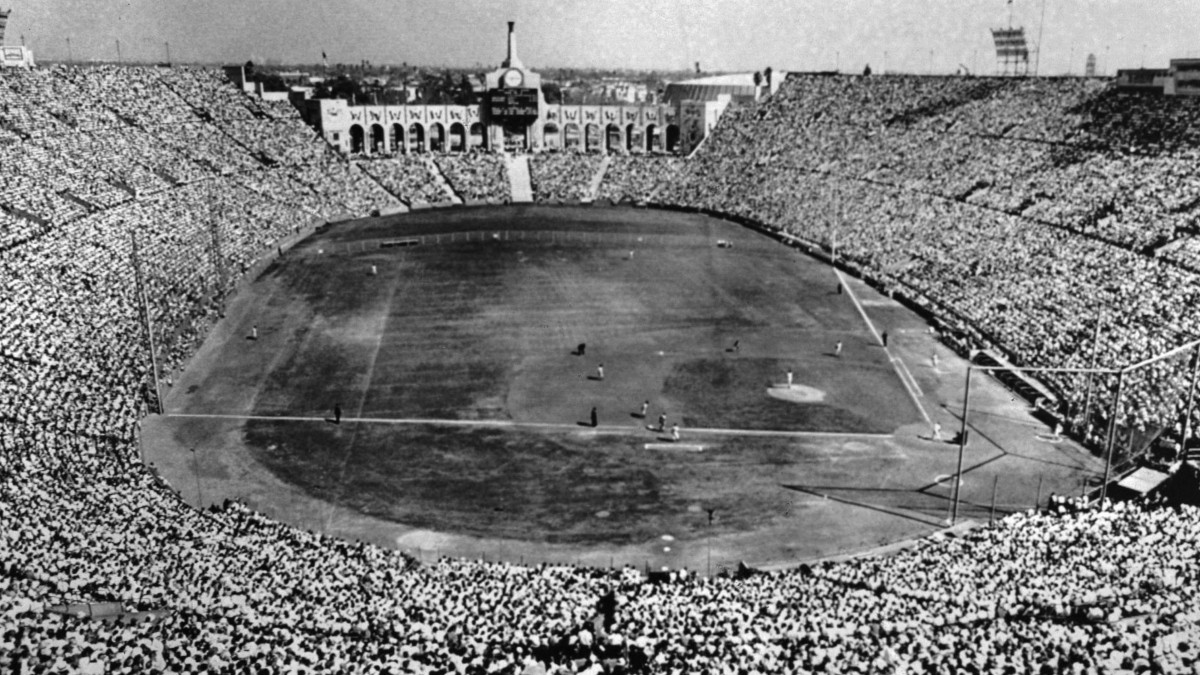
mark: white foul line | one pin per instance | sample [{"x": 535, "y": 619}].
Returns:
[
  {"x": 897, "y": 364},
  {"x": 533, "y": 425}
]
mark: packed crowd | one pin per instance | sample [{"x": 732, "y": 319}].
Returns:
[
  {"x": 1065, "y": 152},
  {"x": 1090, "y": 591},
  {"x": 1077, "y": 590},
  {"x": 477, "y": 176},
  {"x": 564, "y": 176},
  {"x": 637, "y": 177},
  {"x": 408, "y": 175},
  {"x": 134, "y": 155}
]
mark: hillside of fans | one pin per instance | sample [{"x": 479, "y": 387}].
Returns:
[
  {"x": 408, "y": 175},
  {"x": 476, "y": 177},
  {"x": 637, "y": 177},
  {"x": 563, "y": 177},
  {"x": 1014, "y": 230}
]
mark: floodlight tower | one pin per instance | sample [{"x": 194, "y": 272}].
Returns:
[{"x": 1012, "y": 50}]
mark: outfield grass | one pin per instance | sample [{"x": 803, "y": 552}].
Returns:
[{"x": 561, "y": 487}]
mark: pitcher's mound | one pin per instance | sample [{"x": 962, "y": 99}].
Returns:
[{"x": 797, "y": 393}]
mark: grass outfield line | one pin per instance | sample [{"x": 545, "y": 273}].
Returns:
[{"x": 533, "y": 425}]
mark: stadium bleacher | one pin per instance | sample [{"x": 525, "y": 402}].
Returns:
[
  {"x": 1019, "y": 252},
  {"x": 563, "y": 177}
]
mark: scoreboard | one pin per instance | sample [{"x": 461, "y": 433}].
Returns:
[{"x": 513, "y": 104}]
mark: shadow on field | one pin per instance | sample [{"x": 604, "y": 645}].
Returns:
[{"x": 522, "y": 484}]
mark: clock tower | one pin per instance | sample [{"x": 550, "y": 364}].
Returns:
[
  {"x": 514, "y": 102},
  {"x": 513, "y": 61},
  {"x": 513, "y": 78}
]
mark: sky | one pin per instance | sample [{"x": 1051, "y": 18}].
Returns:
[{"x": 916, "y": 36}]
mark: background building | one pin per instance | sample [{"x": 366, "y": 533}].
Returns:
[
  {"x": 1182, "y": 78},
  {"x": 514, "y": 116},
  {"x": 12, "y": 56}
]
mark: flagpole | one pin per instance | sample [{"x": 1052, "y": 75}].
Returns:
[{"x": 1037, "y": 60}]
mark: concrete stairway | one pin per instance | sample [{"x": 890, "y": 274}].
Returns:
[
  {"x": 594, "y": 189},
  {"x": 401, "y": 205},
  {"x": 518, "y": 178},
  {"x": 441, "y": 179}
]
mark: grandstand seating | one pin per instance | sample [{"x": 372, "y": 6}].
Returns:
[
  {"x": 476, "y": 177},
  {"x": 563, "y": 177},
  {"x": 637, "y": 177},
  {"x": 407, "y": 175},
  {"x": 1019, "y": 252}
]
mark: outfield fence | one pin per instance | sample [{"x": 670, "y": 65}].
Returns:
[{"x": 482, "y": 236}]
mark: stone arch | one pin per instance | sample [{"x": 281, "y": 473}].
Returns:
[
  {"x": 416, "y": 137},
  {"x": 397, "y": 139},
  {"x": 592, "y": 140},
  {"x": 458, "y": 137},
  {"x": 478, "y": 137},
  {"x": 653, "y": 138},
  {"x": 551, "y": 136},
  {"x": 437, "y": 137},
  {"x": 356, "y": 139},
  {"x": 672, "y": 138},
  {"x": 571, "y": 136},
  {"x": 634, "y": 138},
  {"x": 613, "y": 138},
  {"x": 377, "y": 139}
]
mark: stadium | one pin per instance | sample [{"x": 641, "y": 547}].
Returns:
[{"x": 887, "y": 374}]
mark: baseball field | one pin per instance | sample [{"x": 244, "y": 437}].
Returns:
[{"x": 584, "y": 377}]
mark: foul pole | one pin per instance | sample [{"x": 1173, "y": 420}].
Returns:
[{"x": 1037, "y": 60}]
